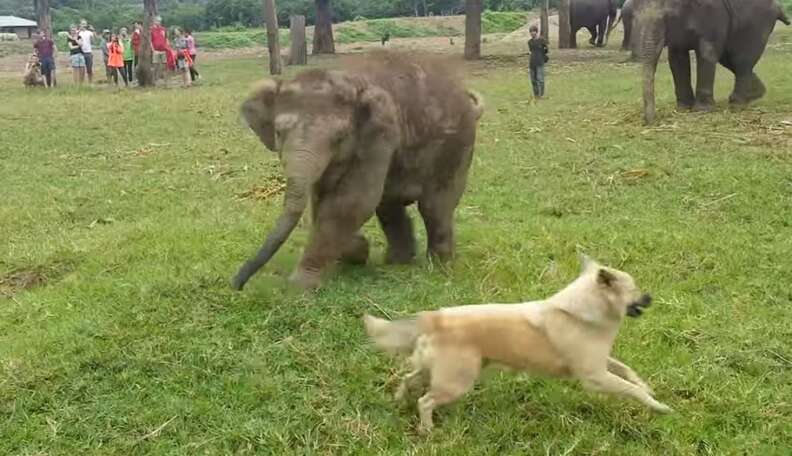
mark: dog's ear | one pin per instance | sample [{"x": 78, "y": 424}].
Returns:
[{"x": 605, "y": 277}]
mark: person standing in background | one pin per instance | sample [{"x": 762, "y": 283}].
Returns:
[
  {"x": 193, "y": 52},
  {"x": 86, "y": 38},
  {"x": 538, "y": 47},
  {"x": 129, "y": 53},
  {"x": 137, "y": 28},
  {"x": 45, "y": 50}
]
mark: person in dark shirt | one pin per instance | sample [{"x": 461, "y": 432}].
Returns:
[
  {"x": 538, "y": 47},
  {"x": 45, "y": 50}
]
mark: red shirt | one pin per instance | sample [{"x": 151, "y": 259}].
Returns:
[
  {"x": 136, "y": 42},
  {"x": 44, "y": 48},
  {"x": 159, "y": 41}
]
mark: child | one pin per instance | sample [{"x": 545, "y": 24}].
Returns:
[
  {"x": 129, "y": 54},
  {"x": 538, "y": 47},
  {"x": 193, "y": 52},
  {"x": 115, "y": 60},
  {"x": 104, "y": 44},
  {"x": 183, "y": 60},
  {"x": 32, "y": 76}
]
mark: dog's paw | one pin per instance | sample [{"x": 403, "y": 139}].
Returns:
[{"x": 661, "y": 408}]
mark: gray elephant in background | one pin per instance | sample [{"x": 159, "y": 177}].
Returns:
[
  {"x": 626, "y": 17},
  {"x": 598, "y": 16},
  {"x": 733, "y": 33}
]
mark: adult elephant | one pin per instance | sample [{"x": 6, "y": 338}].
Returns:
[
  {"x": 387, "y": 131},
  {"x": 594, "y": 15},
  {"x": 732, "y": 32}
]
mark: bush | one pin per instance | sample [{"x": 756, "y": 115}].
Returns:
[
  {"x": 500, "y": 22},
  {"x": 9, "y": 37}
]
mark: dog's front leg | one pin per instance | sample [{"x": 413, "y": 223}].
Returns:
[
  {"x": 622, "y": 370},
  {"x": 607, "y": 382}
]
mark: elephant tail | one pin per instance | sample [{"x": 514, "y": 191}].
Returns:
[{"x": 478, "y": 103}]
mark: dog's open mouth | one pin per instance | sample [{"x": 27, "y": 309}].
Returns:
[{"x": 636, "y": 309}]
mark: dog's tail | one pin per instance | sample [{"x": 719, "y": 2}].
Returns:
[
  {"x": 396, "y": 336},
  {"x": 478, "y": 102}
]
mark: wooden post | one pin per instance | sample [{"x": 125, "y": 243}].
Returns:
[
  {"x": 544, "y": 21},
  {"x": 564, "y": 29},
  {"x": 273, "y": 40},
  {"x": 472, "y": 29},
  {"x": 298, "y": 53},
  {"x": 145, "y": 73}
]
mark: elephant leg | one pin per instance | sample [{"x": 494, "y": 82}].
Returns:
[
  {"x": 593, "y": 32},
  {"x": 747, "y": 85},
  {"x": 357, "y": 251},
  {"x": 573, "y": 38},
  {"x": 437, "y": 210},
  {"x": 398, "y": 230},
  {"x": 705, "y": 77},
  {"x": 602, "y": 30},
  {"x": 679, "y": 60},
  {"x": 339, "y": 215}
]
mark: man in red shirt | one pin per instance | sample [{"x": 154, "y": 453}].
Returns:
[{"x": 159, "y": 47}]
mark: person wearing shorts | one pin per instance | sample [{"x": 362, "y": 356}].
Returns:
[
  {"x": 76, "y": 58},
  {"x": 159, "y": 48},
  {"x": 45, "y": 50}
]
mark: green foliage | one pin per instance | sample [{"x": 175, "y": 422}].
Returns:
[
  {"x": 237, "y": 39},
  {"x": 501, "y": 22}
]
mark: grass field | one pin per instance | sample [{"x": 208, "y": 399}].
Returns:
[{"x": 124, "y": 215}]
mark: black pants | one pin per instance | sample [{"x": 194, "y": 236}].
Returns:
[
  {"x": 193, "y": 72},
  {"x": 128, "y": 68},
  {"x": 123, "y": 71}
]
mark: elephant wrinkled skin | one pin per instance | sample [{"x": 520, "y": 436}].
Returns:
[{"x": 387, "y": 131}]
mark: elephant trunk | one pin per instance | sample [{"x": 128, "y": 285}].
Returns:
[
  {"x": 652, "y": 42},
  {"x": 303, "y": 167}
]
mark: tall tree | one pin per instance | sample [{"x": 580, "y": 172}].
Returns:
[
  {"x": 43, "y": 16},
  {"x": 298, "y": 54},
  {"x": 145, "y": 73},
  {"x": 323, "y": 29},
  {"x": 473, "y": 29},
  {"x": 564, "y": 29},
  {"x": 544, "y": 20},
  {"x": 273, "y": 42}
]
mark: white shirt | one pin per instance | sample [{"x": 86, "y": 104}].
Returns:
[{"x": 86, "y": 36}]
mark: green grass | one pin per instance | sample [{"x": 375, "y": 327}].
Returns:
[
  {"x": 132, "y": 224},
  {"x": 234, "y": 39}
]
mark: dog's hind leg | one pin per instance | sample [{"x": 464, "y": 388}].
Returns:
[
  {"x": 607, "y": 382},
  {"x": 407, "y": 382},
  {"x": 622, "y": 370},
  {"x": 453, "y": 374}
]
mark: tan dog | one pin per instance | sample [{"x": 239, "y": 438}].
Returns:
[{"x": 569, "y": 335}]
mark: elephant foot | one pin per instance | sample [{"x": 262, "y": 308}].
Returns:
[
  {"x": 747, "y": 91},
  {"x": 685, "y": 105},
  {"x": 442, "y": 254},
  {"x": 397, "y": 256},
  {"x": 307, "y": 280},
  {"x": 357, "y": 252},
  {"x": 704, "y": 106}
]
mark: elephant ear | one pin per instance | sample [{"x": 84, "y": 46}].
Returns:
[{"x": 258, "y": 109}]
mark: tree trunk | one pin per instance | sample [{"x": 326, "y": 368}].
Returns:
[
  {"x": 44, "y": 17},
  {"x": 564, "y": 29},
  {"x": 145, "y": 73},
  {"x": 544, "y": 20},
  {"x": 273, "y": 41},
  {"x": 472, "y": 29},
  {"x": 323, "y": 29},
  {"x": 298, "y": 53}
]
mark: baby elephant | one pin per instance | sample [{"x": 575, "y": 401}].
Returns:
[{"x": 388, "y": 131}]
